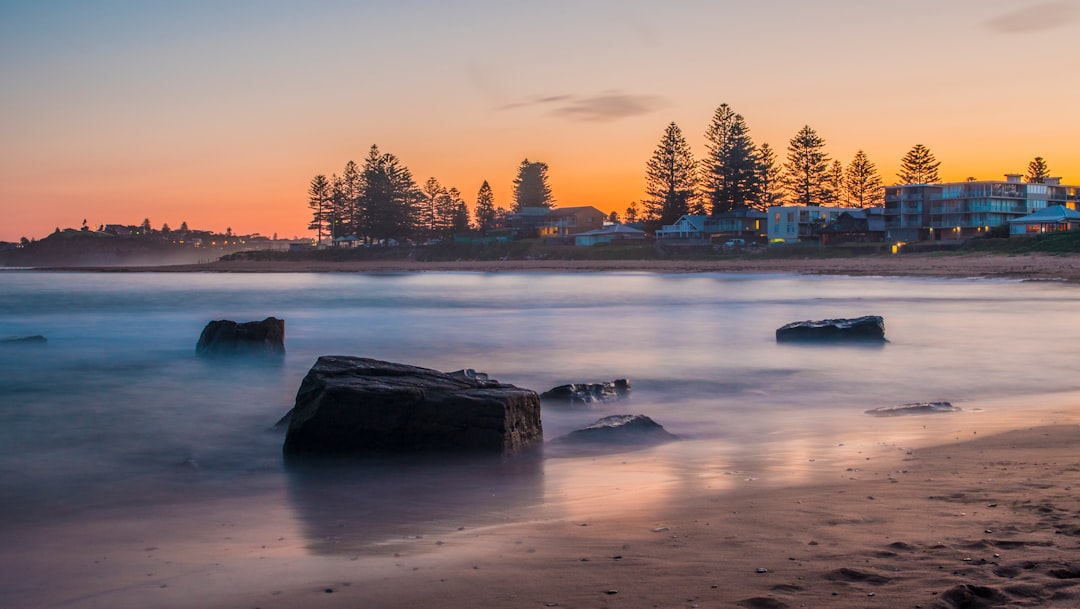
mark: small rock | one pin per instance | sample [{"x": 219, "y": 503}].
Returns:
[{"x": 761, "y": 570}]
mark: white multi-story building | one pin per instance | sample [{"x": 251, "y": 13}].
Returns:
[{"x": 795, "y": 223}]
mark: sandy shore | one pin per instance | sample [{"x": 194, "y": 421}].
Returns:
[
  {"x": 993, "y": 522},
  {"x": 1029, "y": 266}
]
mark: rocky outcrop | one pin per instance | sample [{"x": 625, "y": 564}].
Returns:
[
  {"x": 36, "y": 339},
  {"x": 224, "y": 337},
  {"x": 916, "y": 408},
  {"x": 587, "y": 394},
  {"x": 620, "y": 430},
  {"x": 870, "y": 328},
  {"x": 353, "y": 405}
]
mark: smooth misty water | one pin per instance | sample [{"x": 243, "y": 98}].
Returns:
[{"x": 116, "y": 415}]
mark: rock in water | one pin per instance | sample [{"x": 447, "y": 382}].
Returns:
[
  {"x": 870, "y": 328},
  {"x": 621, "y": 429},
  {"x": 917, "y": 408},
  {"x": 587, "y": 394},
  {"x": 224, "y": 337},
  {"x": 36, "y": 339},
  {"x": 355, "y": 405}
]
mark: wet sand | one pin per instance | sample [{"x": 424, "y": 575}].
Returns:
[
  {"x": 992, "y": 522},
  {"x": 1028, "y": 266}
]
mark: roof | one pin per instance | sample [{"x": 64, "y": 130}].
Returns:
[
  {"x": 614, "y": 229},
  {"x": 1054, "y": 213},
  {"x": 569, "y": 211}
]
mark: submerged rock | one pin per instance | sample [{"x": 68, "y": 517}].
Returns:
[
  {"x": 587, "y": 394},
  {"x": 355, "y": 405},
  {"x": 915, "y": 408},
  {"x": 870, "y": 328},
  {"x": 224, "y": 337},
  {"x": 620, "y": 429},
  {"x": 36, "y": 339}
]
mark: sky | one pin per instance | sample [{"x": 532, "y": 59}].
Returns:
[{"x": 219, "y": 114}]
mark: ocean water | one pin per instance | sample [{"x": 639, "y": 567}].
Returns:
[{"x": 116, "y": 421}]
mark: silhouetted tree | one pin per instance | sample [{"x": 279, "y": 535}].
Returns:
[
  {"x": 1038, "y": 171},
  {"x": 806, "y": 168},
  {"x": 228, "y": 231},
  {"x": 670, "y": 178},
  {"x": 319, "y": 199},
  {"x": 531, "y": 187},
  {"x": 183, "y": 226},
  {"x": 631, "y": 213},
  {"x": 448, "y": 213},
  {"x": 613, "y": 217},
  {"x": 145, "y": 227},
  {"x": 388, "y": 197},
  {"x": 862, "y": 182},
  {"x": 427, "y": 212},
  {"x": 485, "y": 207},
  {"x": 460, "y": 222},
  {"x": 165, "y": 230},
  {"x": 769, "y": 179},
  {"x": 919, "y": 167},
  {"x": 348, "y": 211},
  {"x": 834, "y": 185},
  {"x": 729, "y": 170}
]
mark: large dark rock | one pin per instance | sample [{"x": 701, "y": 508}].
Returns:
[
  {"x": 36, "y": 339},
  {"x": 620, "y": 429},
  {"x": 870, "y": 328},
  {"x": 587, "y": 394},
  {"x": 224, "y": 337},
  {"x": 354, "y": 405}
]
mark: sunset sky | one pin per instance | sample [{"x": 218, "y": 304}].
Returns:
[{"x": 219, "y": 113}]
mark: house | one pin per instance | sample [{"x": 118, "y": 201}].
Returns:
[
  {"x": 745, "y": 223},
  {"x": 855, "y": 226},
  {"x": 523, "y": 223},
  {"x": 960, "y": 210},
  {"x": 796, "y": 223},
  {"x": 1055, "y": 218},
  {"x": 613, "y": 232},
  {"x": 569, "y": 221}
]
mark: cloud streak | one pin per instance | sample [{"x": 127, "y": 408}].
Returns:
[
  {"x": 1035, "y": 18},
  {"x": 605, "y": 107}
]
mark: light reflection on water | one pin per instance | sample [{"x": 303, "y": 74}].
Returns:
[{"x": 116, "y": 411}]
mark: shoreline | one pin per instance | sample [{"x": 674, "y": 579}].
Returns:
[{"x": 1042, "y": 267}]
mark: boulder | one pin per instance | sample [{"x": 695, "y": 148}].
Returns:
[
  {"x": 354, "y": 405},
  {"x": 224, "y": 337},
  {"x": 587, "y": 394},
  {"x": 620, "y": 429},
  {"x": 36, "y": 339},
  {"x": 916, "y": 408},
  {"x": 870, "y": 328}
]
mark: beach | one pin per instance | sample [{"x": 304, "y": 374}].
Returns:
[
  {"x": 1026, "y": 266},
  {"x": 786, "y": 497}
]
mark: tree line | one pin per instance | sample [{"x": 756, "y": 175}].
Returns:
[
  {"x": 380, "y": 202},
  {"x": 736, "y": 174}
]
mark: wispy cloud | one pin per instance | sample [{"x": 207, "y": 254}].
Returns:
[
  {"x": 609, "y": 106},
  {"x": 1035, "y": 18}
]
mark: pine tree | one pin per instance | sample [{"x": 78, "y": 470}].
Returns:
[
  {"x": 349, "y": 212},
  {"x": 485, "y": 207},
  {"x": 862, "y": 182},
  {"x": 806, "y": 168},
  {"x": 834, "y": 185},
  {"x": 319, "y": 203},
  {"x": 531, "y": 187},
  {"x": 631, "y": 214},
  {"x": 183, "y": 226},
  {"x": 388, "y": 197},
  {"x": 446, "y": 212},
  {"x": 460, "y": 222},
  {"x": 919, "y": 167},
  {"x": 671, "y": 178},
  {"x": 769, "y": 179},
  {"x": 730, "y": 171},
  {"x": 1038, "y": 171},
  {"x": 427, "y": 212}
]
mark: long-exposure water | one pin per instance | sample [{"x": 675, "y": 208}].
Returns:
[{"x": 115, "y": 420}]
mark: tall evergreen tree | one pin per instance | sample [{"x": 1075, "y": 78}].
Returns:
[
  {"x": 319, "y": 203},
  {"x": 349, "y": 212},
  {"x": 729, "y": 171},
  {"x": 671, "y": 178},
  {"x": 919, "y": 166},
  {"x": 388, "y": 197},
  {"x": 806, "y": 168},
  {"x": 1038, "y": 171},
  {"x": 862, "y": 182},
  {"x": 531, "y": 188},
  {"x": 460, "y": 220},
  {"x": 631, "y": 214},
  {"x": 834, "y": 185},
  {"x": 427, "y": 212},
  {"x": 769, "y": 179},
  {"x": 485, "y": 207},
  {"x": 446, "y": 212}
]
